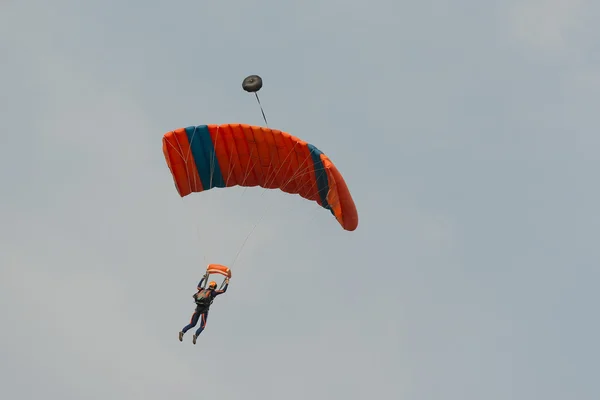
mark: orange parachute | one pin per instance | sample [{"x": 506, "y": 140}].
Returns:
[{"x": 208, "y": 156}]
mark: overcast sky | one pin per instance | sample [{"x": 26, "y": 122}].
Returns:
[{"x": 467, "y": 132}]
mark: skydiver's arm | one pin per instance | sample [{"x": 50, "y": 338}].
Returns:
[
  {"x": 201, "y": 282},
  {"x": 218, "y": 292}
]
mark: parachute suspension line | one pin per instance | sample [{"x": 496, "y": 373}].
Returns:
[
  {"x": 246, "y": 240},
  {"x": 188, "y": 155},
  {"x": 317, "y": 210},
  {"x": 314, "y": 214},
  {"x": 248, "y": 171},
  {"x": 261, "y": 109},
  {"x": 302, "y": 170},
  {"x": 263, "y": 213},
  {"x": 278, "y": 170},
  {"x": 246, "y": 176},
  {"x": 185, "y": 157},
  {"x": 230, "y": 168},
  {"x": 180, "y": 153},
  {"x": 269, "y": 179}
]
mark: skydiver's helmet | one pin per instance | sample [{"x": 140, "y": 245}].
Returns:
[{"x": 212, "y": 285}]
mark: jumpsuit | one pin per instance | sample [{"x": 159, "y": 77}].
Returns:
[{"x": 201, "y": 311}]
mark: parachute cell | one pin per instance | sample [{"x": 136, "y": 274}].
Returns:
[{"x": 207, "y": 156}]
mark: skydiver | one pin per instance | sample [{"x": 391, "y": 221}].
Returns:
[{"x": 203, "y": 299}]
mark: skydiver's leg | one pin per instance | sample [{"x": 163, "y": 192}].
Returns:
[
  {"x": 193, "y": 321},
  {"x": 202, "y": 325}
]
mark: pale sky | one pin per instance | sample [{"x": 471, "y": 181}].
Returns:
[{"x": 467, "y": 132}]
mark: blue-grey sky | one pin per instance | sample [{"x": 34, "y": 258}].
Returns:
[{"x": 467, "y": 132}]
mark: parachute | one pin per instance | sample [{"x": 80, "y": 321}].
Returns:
[
  {"x": 252, "y": 83},
  {"x": 203, "y": 157}
]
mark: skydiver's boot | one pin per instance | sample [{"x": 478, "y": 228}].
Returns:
[
  {"x": 194, "y": 339},
  {"x": 181, "y": 336}
]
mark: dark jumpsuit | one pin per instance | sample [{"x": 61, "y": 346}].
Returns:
[{"x": 202, "y": 310}]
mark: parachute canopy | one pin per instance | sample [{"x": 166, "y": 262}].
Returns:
[
  {"x": 252, "y": 83},
  {"x": 207, "y": 156}
]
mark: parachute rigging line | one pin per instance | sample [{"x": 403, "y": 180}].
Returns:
[{"x": 261, "y": 109}]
